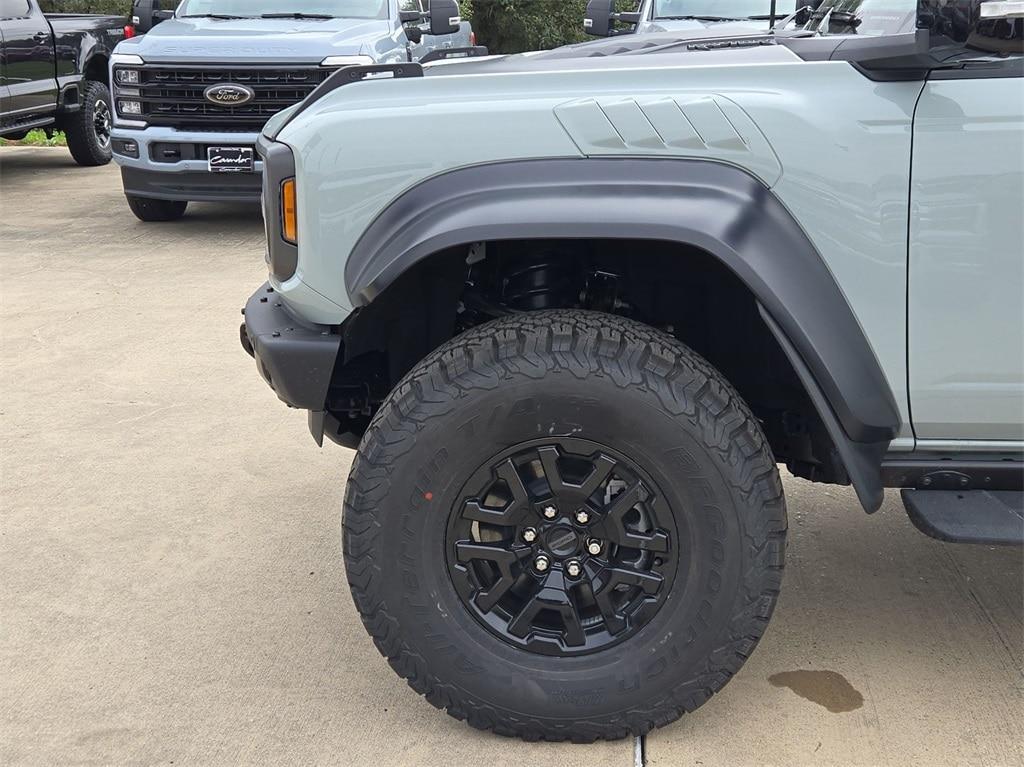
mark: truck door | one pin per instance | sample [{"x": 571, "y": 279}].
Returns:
[
  {"x": 28, "y": 58},
  {"x": 965, "y": 315},
  {"x": 5, "y": 93}
]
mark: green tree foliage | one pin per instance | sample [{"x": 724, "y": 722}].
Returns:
[
  {"x": 511, "y": 26},
  {"x": 119, "y": 7}
]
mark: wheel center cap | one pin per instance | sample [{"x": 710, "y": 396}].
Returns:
[{"x": 561, "y": 540}]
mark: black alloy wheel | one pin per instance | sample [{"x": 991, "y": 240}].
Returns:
[{"x": 561, "y": 546}]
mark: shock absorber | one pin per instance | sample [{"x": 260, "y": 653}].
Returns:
[{"x": 543, "y": 282}]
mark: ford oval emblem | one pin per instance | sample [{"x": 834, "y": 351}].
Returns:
[{"x": 228, "y": 94}]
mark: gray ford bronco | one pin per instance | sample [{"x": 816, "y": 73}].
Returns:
[{"x": 572, "y": 338}]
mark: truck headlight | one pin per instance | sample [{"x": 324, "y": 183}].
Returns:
[
  {"x": 126, "y": 76},
  {"x": 126, "y": 107},
  {"x": 347, "y": 61}
]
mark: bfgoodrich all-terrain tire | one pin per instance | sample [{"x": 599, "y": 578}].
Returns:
[
  {"x": 88, "y": 130},
  {"x": 148, "y": 209},
  {"x": 565, "y": 525}
]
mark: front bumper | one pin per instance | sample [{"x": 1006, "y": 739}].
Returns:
[
  {"x": 168, "y": 164},
  {"x": 296, "y": 358},
  {"x": 195, "y": 186}
]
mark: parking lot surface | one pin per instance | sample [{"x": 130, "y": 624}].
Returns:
[{"x": 172, "y": 583}]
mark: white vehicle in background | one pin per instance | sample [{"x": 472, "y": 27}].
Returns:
[
  {"x": 192, "y": 94},
  {"x": 689, "y": 18}
]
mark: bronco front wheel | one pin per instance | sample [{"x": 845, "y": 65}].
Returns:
[{"x": 565, "y": 525}]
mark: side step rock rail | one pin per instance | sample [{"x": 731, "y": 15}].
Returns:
[{"x": 971, "y": 516}]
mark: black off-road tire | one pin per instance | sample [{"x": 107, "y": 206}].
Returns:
[
  {"x": 614, "y": 382},
  {"x": 149, "y": 209},
  {"x": 88, "y": 130}
]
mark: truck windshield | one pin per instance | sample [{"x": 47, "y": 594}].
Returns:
[
  {"x": 254, "y": 9},
  {"x": 725, "y": 10},
  {"x": 863, "y": 17}
]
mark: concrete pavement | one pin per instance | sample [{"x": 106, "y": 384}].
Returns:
[{"x": 172, "y": 585}]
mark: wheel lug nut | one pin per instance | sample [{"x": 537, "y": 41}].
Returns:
[
  {"x": 573, "y": 568},
  {"x": 594, "y": 546},
  {"x": 541, "y": 563},
  {"x": 529, "y": 535},
  {"x": 550, "y": 512},
  {"x": 582, "y": 517}
]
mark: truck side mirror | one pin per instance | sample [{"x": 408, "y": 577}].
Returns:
[
  {"x": 597, "y": 20},
  {"x": 444, "y": 17},
  {"x": 146, "y": 14},
  {"x": 600, "y": 17}
]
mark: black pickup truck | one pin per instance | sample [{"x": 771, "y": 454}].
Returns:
[{"x": 54, "y": 75}]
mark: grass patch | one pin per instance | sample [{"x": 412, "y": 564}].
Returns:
[{"x": 37, "y": 138}]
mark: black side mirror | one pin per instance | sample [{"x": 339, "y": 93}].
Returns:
[
  {"x": 597, "y": 20},
  {"x": 444, "y": 17},
  {"x": 146, "y": 14},
  {"x": 411, "y": 22},
  {"x": 142, "y": 15},
  {"x": 600, "y": 17}
]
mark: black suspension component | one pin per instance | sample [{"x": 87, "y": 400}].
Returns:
[
  {"x": 543, "y": 282},
  {"x": 535, "y": 277}
]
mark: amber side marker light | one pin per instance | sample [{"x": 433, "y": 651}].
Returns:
[{"x": 289, "y": 219}]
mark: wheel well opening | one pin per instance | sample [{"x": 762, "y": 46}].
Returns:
[
  {"x": 98, "y": 70},
  {"x": 677, "y": 288}
]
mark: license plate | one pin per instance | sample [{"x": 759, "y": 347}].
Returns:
[{"x": 229, "y": 159}]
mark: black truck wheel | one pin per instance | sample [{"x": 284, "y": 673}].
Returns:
[
  {"x": 148, "y": 209},
  {"x": 564, "y": 525},
  {"x": 88, "y": 129}
]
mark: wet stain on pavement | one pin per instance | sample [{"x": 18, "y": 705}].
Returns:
[{"x": 826, "y": 688}]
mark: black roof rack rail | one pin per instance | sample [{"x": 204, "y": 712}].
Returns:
[
  {"x": 348, "y": 75},
  {"x": 440, "y": 54}
]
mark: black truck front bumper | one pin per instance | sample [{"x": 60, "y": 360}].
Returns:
[
  {"x": 195, "y": 185},
  {"x": 295, "y": 358}
]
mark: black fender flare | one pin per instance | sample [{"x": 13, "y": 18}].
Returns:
[
  {"x": 85, "y": 48},
  {"x": 718, "y": 208},
  {"x": 92, "y": 53},
  {"x": 77, "y": 48}
]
